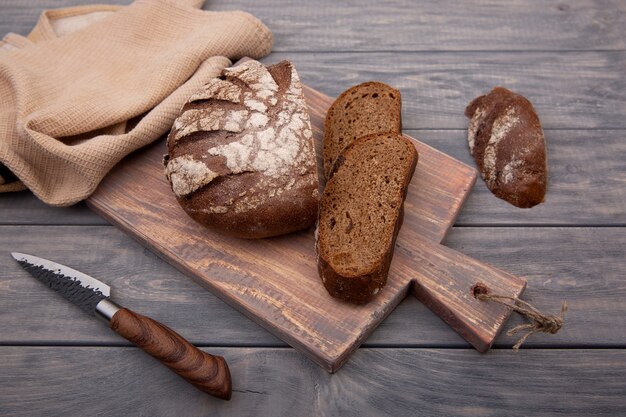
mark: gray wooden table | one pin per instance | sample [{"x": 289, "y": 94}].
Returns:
[{"x": 568, "y": 58}]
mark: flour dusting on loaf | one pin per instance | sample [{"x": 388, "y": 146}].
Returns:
[
  {"x": 501, "y": 127},
  {"x": 506, "y": 140},
  {"x": 187, "y": 175},
  {"x": 251, "y": 131}
]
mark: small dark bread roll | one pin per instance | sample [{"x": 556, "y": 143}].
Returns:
[
  {"x": 241, "y": 158},
  {"x": 506, "y": 140}
]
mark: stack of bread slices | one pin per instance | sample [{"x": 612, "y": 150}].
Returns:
[{"x": 368, "y": 165}]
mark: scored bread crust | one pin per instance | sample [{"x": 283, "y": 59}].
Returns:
[
  {"x": 337, "y": 117},
  {"x": 507, "y": 142},
  {"x": 360, "y": 287},
  {"x": 241, "y": 157}
]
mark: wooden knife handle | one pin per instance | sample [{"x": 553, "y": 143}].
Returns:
[{"x": 206, "y": 372}]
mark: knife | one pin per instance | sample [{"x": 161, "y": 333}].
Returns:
[{"x": 206, "y": 372}]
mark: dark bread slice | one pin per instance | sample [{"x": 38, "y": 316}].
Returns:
[
  {"x": 506, "y": 140},
  {"x": 360, "y": 215},
  {"x": 362, "y": 110}
]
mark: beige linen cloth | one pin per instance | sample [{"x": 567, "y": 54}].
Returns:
[{"x": 71, "y": 90}]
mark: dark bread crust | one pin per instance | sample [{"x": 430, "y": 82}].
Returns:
[
  {"x": 507, "y": 142},
  {"x": 287, "y": 213},
  {"x": 349, "y": 117},
  {"x": 361, "y": 285},
  {"x": 361, "y": 289},
  {"x": 241, "y": 159}
]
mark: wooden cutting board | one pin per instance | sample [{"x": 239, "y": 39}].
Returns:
[{"x": 275, "y": 281}]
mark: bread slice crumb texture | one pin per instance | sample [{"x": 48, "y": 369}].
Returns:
[
  {"x": 361, "y": 206},
  {"x": 362, "y": 110}
]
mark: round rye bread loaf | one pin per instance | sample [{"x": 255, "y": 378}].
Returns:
[{"x": 240, "y": 156}]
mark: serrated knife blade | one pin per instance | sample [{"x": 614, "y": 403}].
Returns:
[
  {"x": 206, "y": 372},
  {"x": 84, "y": 279}
]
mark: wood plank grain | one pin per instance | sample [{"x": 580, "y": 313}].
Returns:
[
  {"x": 400, "y": 25},
  {"x": 586, "y": 180},
  {"x": 581, "y": 265},
  {"x": 444, "y": 280},
  {"x": 39, "y": 381},
  {"x": 569, "y": 90},
  {"x": 24, "y": 208},
  {"x": 139, "y": 280}
]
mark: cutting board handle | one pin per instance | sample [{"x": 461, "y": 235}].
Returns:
[
  {"x": 206, "y": 372},
  {"x": 444, "y": 280}
]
